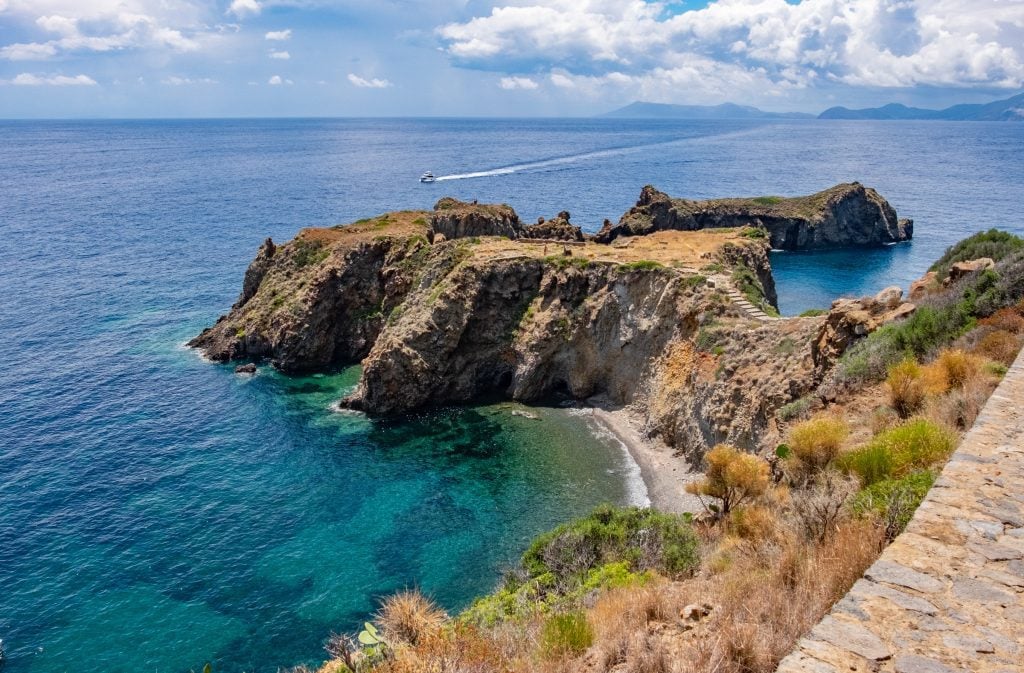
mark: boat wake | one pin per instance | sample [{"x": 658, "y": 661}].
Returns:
[{"x": 577, "y": 158}]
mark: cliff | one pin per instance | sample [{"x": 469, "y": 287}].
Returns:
[
  {"x": 652, "y": 321},
  {"x": 841, "y": 216}
]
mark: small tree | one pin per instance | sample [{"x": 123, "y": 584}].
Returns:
[{"x": 732, "y": 476}]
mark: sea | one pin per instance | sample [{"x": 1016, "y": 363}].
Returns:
[{"x": 159, "y": 512}]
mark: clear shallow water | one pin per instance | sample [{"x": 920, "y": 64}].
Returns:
[{"x": 157, "y": 511}]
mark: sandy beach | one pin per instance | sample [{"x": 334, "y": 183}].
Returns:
[{"x": 665, "y": 475}]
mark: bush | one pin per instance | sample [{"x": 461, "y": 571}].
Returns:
[
  {"x": 753, "y": 523},
  {"x": 906, "y": 392},
  {"x": 813, "y": 312},
  {"x": 872, "y": 463},
  {"x": 816, "y": 442},
  {"x": 992, "y": 243},
  {"x": 794, "y": 410},
  {"x": 958, "y": 366},
  {"x": 732, "y": 477},
  {"x": 408, "y": 616},
  {"x": 894, "y": 500},
  {"x": 644, "y": 538},
  {"x": 1007, "y": 319},
  {"x": 566, "y": 634},
  {"x": 1001, "y": 346},
  {"x": 917, "y": 443}
]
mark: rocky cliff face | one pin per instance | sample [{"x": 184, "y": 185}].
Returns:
[
  {"x": 457, "y": 219},
  {"x": 557, "y": 228},
  {"x": 639, "y": 323},
  {"x": 323, "y": 297},
  {"x": 844, "y": 215}
]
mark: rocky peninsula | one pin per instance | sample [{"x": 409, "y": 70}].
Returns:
[{"x": 666, "y": 313}]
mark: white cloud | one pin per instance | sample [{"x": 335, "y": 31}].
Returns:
[
  {"x": 362, "y": 83},
  {"x": 277, "y": 80},
  {"x": 174, "y": 80},
  {"x": 103, "y": 26},
  {"x": 280, "y": 55},
  {"x": 242, "y": 8},
  {"x": 279, "y": 35},
  {"x": 511, "y": 83},
  {"x": 741, "y": 48},
  {"x": 28, "y": 79},
  {"x": 28, "y": 52}
]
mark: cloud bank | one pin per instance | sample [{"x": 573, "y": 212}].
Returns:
[{"x": 737, "y": 47}]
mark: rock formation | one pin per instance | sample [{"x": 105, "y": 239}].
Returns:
[
  {"x": 557, "y": 228},
  {"x": 457, "y": 219},
  {"x": 485, "y": 309},
  {"x": 844, "y": 215}
]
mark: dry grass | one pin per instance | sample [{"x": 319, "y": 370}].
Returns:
[
  {"x": 767, "y": 602},
  {"x": 815, "y": 443},
  {"x": 1001, "y": 346},
  {"x": 906, "y": 390},
  {"x": 1007, "y": 319},
  {"x": 408, "y": 617},
  {"x": 958, "y": 366}
]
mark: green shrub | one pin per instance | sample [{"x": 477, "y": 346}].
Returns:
[
  {"x": 992, "y": 243},
  {"x": 644, "y": 538},
  {"x": 813, "y": 312},
  {"x": 640, "y": 265},
  {"x": 754, "y": 233},
  {"x": 566, "y": 634},
  {"x": 915, "y": 444},
  {"x": 767, "y": 200},
  {"x": 894, "y": 500},
  {"x": 872, "y": 463},
  {"x": 307, "y": 253},
  {"x": 794, "y": 410}
]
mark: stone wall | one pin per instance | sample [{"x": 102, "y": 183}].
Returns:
[{"x": 948, "y": 594}]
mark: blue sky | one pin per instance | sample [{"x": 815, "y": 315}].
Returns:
[{"x": 195, "y": 58}]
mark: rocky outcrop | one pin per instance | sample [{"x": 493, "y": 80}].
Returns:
[
  {"x": 960, "y": 269},
  {"x": 323, "y": 297},
  {"x": 557, "y": 228},
  {"x": 457, "y": 219},
  {"x": 850, "y": 320},
  {"x": 844, "y": 215}
]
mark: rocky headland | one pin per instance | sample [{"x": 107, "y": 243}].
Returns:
[
  {"x": 665, "y": 313},
  {"x": 841, "y": 216}
]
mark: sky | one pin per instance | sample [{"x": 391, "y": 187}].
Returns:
[{"x": 269, "y": 58}]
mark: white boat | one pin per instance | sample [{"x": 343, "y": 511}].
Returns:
[{"x": 428, "y": 177}]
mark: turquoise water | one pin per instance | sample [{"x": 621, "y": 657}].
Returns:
[{"x": 158, "y": 511}]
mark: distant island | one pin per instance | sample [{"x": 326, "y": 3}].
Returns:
[{"x": 1009, "y": 109}]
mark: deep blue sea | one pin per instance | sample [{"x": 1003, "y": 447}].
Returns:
[{"x": 158, "y": 512}]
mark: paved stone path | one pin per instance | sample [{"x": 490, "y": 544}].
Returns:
[{"x": 948, "y": 594}]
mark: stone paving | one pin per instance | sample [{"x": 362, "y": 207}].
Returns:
[{"x": 948, "y": 594}]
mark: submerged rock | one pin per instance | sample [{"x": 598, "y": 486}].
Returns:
[{"x": 844, "y": 215}]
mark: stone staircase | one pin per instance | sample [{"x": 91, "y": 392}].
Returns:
[{"x": 724, "y": 283}]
